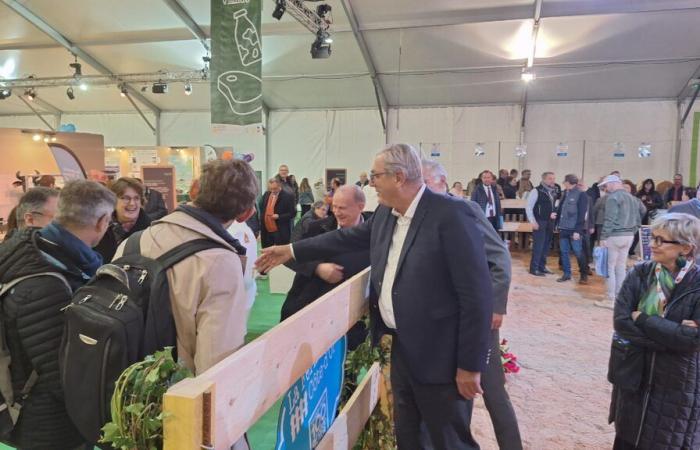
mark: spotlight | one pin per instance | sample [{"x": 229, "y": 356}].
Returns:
[
  {"x": 36, "y": 137},
  {"x": 77, "y": 68},
  {"x": 53, "y": 139},
  {"x": 30, "y": 94},
  {"x": 122, "y": 90},
  {"x": 188, "y": 88},
  {"x": 159, "y": 88},
  {"x": 280, "y": 8},
  {"x": 321, "y": 48},
  {"x": 5, "y": 93},
  {"x": 46, "y": 139},
  {"x": 70, "y": 93},
  {"x": 323, "y": 10},
  {"x": 527, "y": 75},
  {"x": 83, "y": 86}
]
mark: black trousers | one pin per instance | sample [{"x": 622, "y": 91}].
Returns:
[
  {"x": 268, "y": 239},
  {"x": 497, "y": 401},
  {"x": 619, "y": 444},
  {"x": 444, "y": 412}
]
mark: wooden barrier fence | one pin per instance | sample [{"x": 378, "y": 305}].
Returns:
[{"x": 215, "y": 409}]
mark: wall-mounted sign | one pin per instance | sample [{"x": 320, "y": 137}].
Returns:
[
  {"x": 435, "y": 151},
  {"x": 162, "y": 179},
  {"x": 341, "y": 174},
  {"x": 562, "y": 150}
]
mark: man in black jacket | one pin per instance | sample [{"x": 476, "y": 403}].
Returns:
[
  {"x": 571, "y": 218},
  {"x": 155, "y": 205},
  {"x": 277, "y": 211},
  {"x": 430, "y": 289},
  {"x": 486, "y": 195},
  {"x": 541, "y": 213},
  {"x": 56, "y": 261},
  {"x": 315, "y": 278}
]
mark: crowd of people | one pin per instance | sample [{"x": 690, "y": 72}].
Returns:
[{"x": 407, "y": 222}]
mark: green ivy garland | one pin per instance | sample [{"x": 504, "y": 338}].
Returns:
[
  {"x": 137, "y": 402},
  {"x": 379, "y": 430}
]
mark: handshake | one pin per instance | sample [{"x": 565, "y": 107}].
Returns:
[{"x": 272, "y": 257}]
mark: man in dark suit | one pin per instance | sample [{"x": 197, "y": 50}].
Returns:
[
  {"x": 486, "y": 196},
  {"x": 315, "y": 278},
  {"x": 430, "y": 289},
  {"x": 496, "y": 399},
  {"x": 277, "y": 211}
]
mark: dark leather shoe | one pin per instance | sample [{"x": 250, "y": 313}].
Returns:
[
  {"x": 583, "y": 281},
  {"x": 537, "y": 273},
  {"x": 547, "y": 271},
  {"x": 563, "y": 278}
]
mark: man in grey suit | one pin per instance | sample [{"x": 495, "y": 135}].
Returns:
[{"x": 496, "y": 398}]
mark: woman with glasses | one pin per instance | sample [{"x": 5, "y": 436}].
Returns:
[
  {"x": 128, "y": 218},
  {"x": 655, "y": 355}
]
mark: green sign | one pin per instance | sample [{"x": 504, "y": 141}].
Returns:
[{"x": 236, "y": 62}]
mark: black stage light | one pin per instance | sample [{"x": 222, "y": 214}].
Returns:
[
  {"x": 321, "y": 48},
  {"x": 30, "y": 94},
  {"x": 160, "y": 88},
  {"x": 70, "y": 94},
  {"x": 323, "y": 10},
  {"x": 280, "y": 8},
  {"x": 5, "y": 93}
]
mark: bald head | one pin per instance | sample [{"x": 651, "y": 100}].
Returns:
[{"x": 348, "y": 203}]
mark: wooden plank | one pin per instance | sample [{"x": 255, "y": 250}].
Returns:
[
  {"x": 518, "y": 203},
  {"x": 516, "y": 227},
  {"x": 184, "y": 419},
  {"x": 251, "y": 380},
  {"x": 347, "y": 427}
]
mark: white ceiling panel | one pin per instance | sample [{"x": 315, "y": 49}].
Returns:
[
  {"x": 619, "y": 37},
  {"x": 460, "y": 46},
  {"x": 14, "y": 30},
  {"x": 454, "y": 88},
  {"x": 305, "y": 93},
  {"x": 610, "y": 82}
]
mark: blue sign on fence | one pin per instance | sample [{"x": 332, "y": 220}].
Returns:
[{"x": 309, "y": 407}]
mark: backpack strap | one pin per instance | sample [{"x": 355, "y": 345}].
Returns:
[
  {"x": 177, "y": 254},
  {"x": 6, "y": 390},
  {"x": 133, "y": 244}
]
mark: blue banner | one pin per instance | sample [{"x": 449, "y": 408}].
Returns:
[{"x": 309, "y": 407}]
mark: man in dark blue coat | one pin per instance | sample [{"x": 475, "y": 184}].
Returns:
[{"x": 430, "y": 289}]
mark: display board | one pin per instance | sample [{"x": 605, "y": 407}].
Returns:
[
  {"x": 645, "y": 242},
  {"x": 342, "y": 174},
  {"x": 162, "y": 179}
]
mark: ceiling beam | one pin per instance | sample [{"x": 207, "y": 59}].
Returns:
[
  {"x": 47, "y": 106},
  {"x": 686, "y": 89},
  {"x": 54, "y": 34},
  {"x": 189, "y": 22},
  {"x": 382, "y": 103}
]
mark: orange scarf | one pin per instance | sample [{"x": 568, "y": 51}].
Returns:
[{"x": 270, "y": 223}]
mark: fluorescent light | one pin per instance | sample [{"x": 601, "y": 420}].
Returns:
[
  {"x": 527, "y": 76},
  {"x": 83, "y": 86},
  {"x": 8, "y": 68}
]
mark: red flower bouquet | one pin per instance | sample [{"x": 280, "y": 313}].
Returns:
[{"x": 508, "y": 359}]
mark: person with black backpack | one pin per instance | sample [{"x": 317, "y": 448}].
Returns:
[
  {"x": 207, "y": 289},
  {"x": 39, "y": 271}
]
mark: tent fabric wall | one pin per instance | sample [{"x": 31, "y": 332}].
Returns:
[{"x": 311, "y": 140}]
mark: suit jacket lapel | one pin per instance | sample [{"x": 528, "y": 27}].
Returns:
[{"x": 421, "y": 211}]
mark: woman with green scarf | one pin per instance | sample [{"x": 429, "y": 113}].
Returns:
[{"x": 655, "y": 355}]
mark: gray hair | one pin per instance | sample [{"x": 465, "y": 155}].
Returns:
[
  {"x": 681, "y": 227},
  {"x": 82, "y": 203},
  {"x": 434, "y": 168},
  {"x": 357, "y": 195},
  {"x": 402, "y": 158},
  {"x": 33, "y": 201}
]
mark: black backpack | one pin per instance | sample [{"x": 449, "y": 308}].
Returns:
[{"x": 121, "y": 315}]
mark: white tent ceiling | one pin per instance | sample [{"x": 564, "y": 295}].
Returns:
[{"x": 442, "y": 52}]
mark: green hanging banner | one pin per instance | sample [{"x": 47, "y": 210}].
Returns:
[{"x": 236, "y": 62}]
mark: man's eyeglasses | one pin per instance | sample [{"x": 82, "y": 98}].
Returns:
[
  {"x": 126, "y": 199},
  {"x": 659, "y": 241},
  {"x": 374, "y": 176}
]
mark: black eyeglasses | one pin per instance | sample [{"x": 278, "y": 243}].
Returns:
[{"x": 659, "y": 241}]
